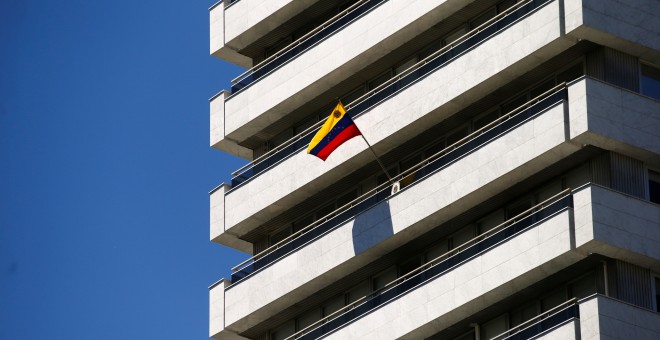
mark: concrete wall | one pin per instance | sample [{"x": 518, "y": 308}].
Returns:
[
  {"x": 248, "y": 20},
  {"x": 216, "y": 313},
  {"x": 605, "y": 318},
  {"x": 335, "y": 59},
  {"x": 617, "y": 225},
  {"x": 217, "y": 42},
  {"x": 393, "y": 121},
  {"x": 626, "y": 25},
  {"x": 604, "y": 222},
  {"x": 470, "y": 287},
  {"x": 242, "y": 23},
  {"x": 416, "y": 209},
  {"x": 217, "y": 222},
  {"x": 217, "y": 129},
  {"x": 615, "y": 119}
]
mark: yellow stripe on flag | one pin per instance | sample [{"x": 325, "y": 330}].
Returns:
[{"x": 335, "y": 116}]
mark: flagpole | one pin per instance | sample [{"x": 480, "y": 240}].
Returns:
[{"x": 377, "y": 159}]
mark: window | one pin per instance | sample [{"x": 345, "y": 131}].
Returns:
[
  {"x": 505, "y": 4},
  {"x": 432, "y": 48},
  {"x": 524, "y": 313},
  {"x": 281, "y": 138},
  {"x": 494, "y": 327},
  {"x": 406, "y": 65},
  {"x": 333, "y": 305},
  {"x": 541, "y": 88},
  {"x": 407, "y": 164},
  {"x": 435, "y": 148},
  {"x": 349, "y": 98},
  {"x": 489, "y": 222},
  {"x": 325, "y": 211},
  {"x": 553, "y": 299},
  {"x": 462, "y": 236},
  {"x": 457, "y": 135},
  {"x": 583, "y": 286},
  {"x": 518, "y": 208},
  {"x": 650, "y": 81},
  {"x": 467, "y": 336},
  {"x": 571, "y": 73},
  {"x": 485, "y": 119},
  {"x": 451, "y": 37},
  {"x": 279, "y": 235},
  {"x": 361, "y": 290},
  {"x": 346, "y": 198},
  {"x": 483, "y": 18},
  {"x": 654, "y": 187},
  {"x": 384, "y": 278},
  {"x": 283, "y": 331},
  {"x": 382, "y": 178},
  {"x": 278, "y": 46},
  {"x": 437, "y": 250},
  {"x": 308, "y": 318},
  {"x": 410, "y": 265},
  {"x": 305, "y": 124},
  {"x": 657, "y": 294},
  {"x": 303, "y": 222},
  {"x": 381, "y": 79},
  {"x": 514, "y": 104}
]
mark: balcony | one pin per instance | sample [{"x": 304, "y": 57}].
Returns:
[
  {"x": 310, "y": 261},
  {"x": 234, "y": 24},
  {"x": 630, "y": 26},
  {"x": 454, "y": 267},
  {"x": 561, "y": 322},
  {"x": 437, "y": 294},
  {"x": 599, "y": 114},
  {"x": 605, "y": 318},
  {"x": 360, "y": 205},
  {"x": 288, "y": 176},
  {"x": 614, "y": 119},
  {"x": 271, "y": 91},
  {"x": 582, "y": 20},
  {"x": 595, "y": 222},
  {"x": 618, "y": 225},
  {"x": 594, "y": 317}
]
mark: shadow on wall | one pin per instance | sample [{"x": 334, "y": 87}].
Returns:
[{"x": 372, "y": 227}]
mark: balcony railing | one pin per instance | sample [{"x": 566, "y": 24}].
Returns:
[
  {"x": 543, "y": 322},
  {"x": 439, "y": 266},
  {"x": 434, "y": 163},
  {"x": 413, "y": 74},
  {"x": 302, "y": 44}
]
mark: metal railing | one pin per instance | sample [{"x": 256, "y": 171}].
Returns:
[
  {"x": 438, "y": 266},
  {"x": 433, "y": 163},
  {"x": 542, "y": 322},
  {"x": 303, "y": 43},
  {"x": 380, "y": 93}
]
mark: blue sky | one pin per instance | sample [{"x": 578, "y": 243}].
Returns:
[{"x": 105, "y": 169}]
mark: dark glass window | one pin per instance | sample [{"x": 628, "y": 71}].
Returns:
[
  {"x": 657, "y": 294},
  {"x": 541, "y": 88},
  {"x": 410, "y": 265},
  {"x": 650, "y": 81},
  {"x": 654, "y": 187},
  {"x": 574, "y": 72},
  {"x": 485, "y": 120},
  {"x": 513, "y": 104},
  {"x": 279, "y": 236}
]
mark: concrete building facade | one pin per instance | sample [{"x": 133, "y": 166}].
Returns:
[{"x": 523, "y": 142}]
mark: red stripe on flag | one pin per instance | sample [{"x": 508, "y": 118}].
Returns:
[{"x": 348, "y": 133}]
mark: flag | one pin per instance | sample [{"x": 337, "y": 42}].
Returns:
[{"x": 337, "y": 129}]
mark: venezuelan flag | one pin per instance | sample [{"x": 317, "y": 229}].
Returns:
[{"x": 337, "y": 129}]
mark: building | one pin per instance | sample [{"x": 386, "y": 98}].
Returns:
[{"x": 525, "y": 140}]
